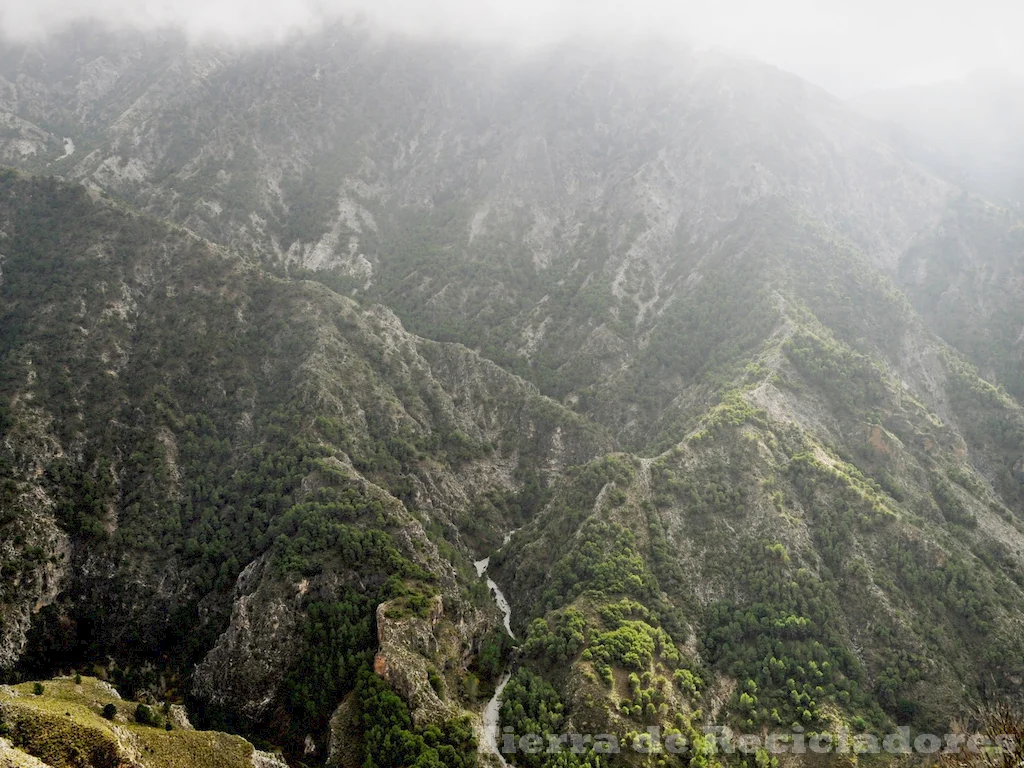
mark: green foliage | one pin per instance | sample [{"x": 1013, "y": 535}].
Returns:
[
  {"x": 719, "y": 489},
  {"x": 392, "y": 741},
  {"x": 61, "y": 741},
  {"x": 839, "y": 502},
  {"x": 70, "y": 726},
  {"x": 561, "y": 645},
  {"x": 531, "y": 705},
  {"x": 953, "y": 508},
  {"x": 209, "y": 459},
  {"x": 734, "y": 410},
  {"x": 786, "y": 640},
  {"x": 146, "y": 715},
  {"x": 992, "y": 423},
  {"x": 703, "y": 339},
  {"x": 944, "y": 583},
  {"x": 494, "y": 647},
  {"x": 631, "y": 646},
  {"x": 606, "y": 564},
  {"x": 850, "y": 381},
  {"x": 338, "y": 639},
  {"x": 436, "y": 681}
]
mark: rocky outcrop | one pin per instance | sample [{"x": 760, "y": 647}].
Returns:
[
  {"x": 10, "y": 757},
  {"x": 35, "y": 555},
  {"x": 267, "y": 760},
  {"x": 407, "y": 645},
  {"x": 438, "y": 424},
  {"x": 646, "y": 259},
  {"x": 345, "y": 748},
  {"x": 243, "y": 671}
]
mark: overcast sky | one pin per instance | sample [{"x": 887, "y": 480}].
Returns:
[{"x": 846, "y": 45}]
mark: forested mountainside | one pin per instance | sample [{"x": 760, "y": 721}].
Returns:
[
  {"x": 205, "y": 464},
  {"x": 728, "y": 385},
  {"x": 555, "y": 212}
]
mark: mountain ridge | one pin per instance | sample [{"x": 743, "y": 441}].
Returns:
[{"x": 743, "y": 379}]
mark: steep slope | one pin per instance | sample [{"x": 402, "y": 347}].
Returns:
[
  {"x": 838, "y": 542},
  {"x": 327, "y": 133},
  {"x": 967, "y": 280},
  {"x": 802, "y": 504},
  {"x": 556, "y": 212},
  {"x": 547, "y": 211},
  {"x": 200, "y": 458}
]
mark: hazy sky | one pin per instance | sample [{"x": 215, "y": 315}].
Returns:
[{"x": 845, "y": 45}]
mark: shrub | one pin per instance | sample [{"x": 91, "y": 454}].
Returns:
[
  {"x": 145, "y": 715},
  {"x": 38, "y": 689},
  {"x": 434, "y": 678},
  {"x": 110, "y": 711}
]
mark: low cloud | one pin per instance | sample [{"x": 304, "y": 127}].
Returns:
[{"x": 848, "y": 46}]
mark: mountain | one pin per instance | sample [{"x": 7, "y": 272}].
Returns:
[
  {"x": 724, "y": 381},
  {"x": 204, "y": 461},
  {"x": 549, "y": 212}
]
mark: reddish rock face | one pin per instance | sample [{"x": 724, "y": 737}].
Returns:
[{"x": 380, "y": 666}]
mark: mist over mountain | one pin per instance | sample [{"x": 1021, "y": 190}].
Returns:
[
  {"x": 715, "y": 375},
  {"x": 968, "y": 130}
]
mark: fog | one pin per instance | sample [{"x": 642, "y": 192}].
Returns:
[{"x": 847, "y": 46}]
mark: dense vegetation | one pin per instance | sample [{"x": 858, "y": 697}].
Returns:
[
  {"x": 825, "y": 529},
  {"x": 391, "y": 740},
  {"x": 177, "y": 385}
]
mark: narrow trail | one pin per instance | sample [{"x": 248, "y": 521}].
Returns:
[{"x": 488, "y": 735}]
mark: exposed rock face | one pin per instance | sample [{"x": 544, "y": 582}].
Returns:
[
  {"x": 345, "y": 747},
  {"x": 610, "y": 181},
  {"x": 759, "y": 456},
  {"x": 15, "y": 758},
  {"x": 244, "y": 669},
  {"x": 697, "y": 136},
  {"x": 267, "y": 760},
  {"x": 407, "y": 645},
  {"x": 36, "y": 555},
  {"x": 385, "y": 401}
]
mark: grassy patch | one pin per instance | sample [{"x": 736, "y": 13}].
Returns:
[{"x": 65, "y": 728}]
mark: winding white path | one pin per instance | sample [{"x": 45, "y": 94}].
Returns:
[
  {"x": 492, "y": 712},
  {"x": 499, "y": 596}
]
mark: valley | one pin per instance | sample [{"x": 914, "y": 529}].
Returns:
[
  {"x": 291, "y": 334},
  {"x": 491, "y": 723}
]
